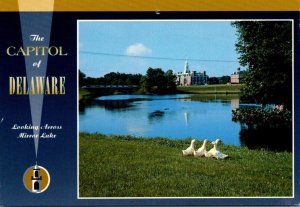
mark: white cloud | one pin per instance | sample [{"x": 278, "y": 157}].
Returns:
[{"x": 138, "y": 49}]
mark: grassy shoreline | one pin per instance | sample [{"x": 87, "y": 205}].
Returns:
[
  {"x": 126, "y": 166},
  {"x": 219, "y": 89},
  {"x": 84, "y": 93},
  {"x": 212, "y": 89}
]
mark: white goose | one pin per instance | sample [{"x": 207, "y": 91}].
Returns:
[
  {"x": 202, "y": 150},
  {"x": 190, "y": 150},
  {"x": 214, "y": 152}
]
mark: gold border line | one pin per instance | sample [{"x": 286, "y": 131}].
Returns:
[
  {"x": 36, "y": 5},
  {"x": 154, "y": 5}
]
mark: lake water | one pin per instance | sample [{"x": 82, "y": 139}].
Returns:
[{"x": 173, "y": 116}]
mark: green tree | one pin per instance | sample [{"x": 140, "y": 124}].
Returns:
[
  {"x": 224, "y": 79},
  {"x": 170, "y": 80},
  {"x": 82, "y": 77},
  {"x": 213, "y": 80},
  {"x": 265, "y": 49},
  {"x": 157, "y": 81},
  {"x": 145, "y": 87},
  {"x": 116, "y": 78},
  {"x": 135, "y": 79},
  {"x": 111, "y": 78}
]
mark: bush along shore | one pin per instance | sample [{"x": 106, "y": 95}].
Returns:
[{"x": 126, "y": 166}]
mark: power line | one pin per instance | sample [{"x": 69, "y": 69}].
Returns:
[{"x": 156, "y": 58}]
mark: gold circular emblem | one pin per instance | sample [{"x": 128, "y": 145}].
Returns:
[{"x": 36, "y": 179}]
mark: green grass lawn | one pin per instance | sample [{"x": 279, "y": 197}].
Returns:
[
  {"x": 124, "y": 166},
  {"x": 211, "y": 89}
]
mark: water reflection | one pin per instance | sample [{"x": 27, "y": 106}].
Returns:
[
  {"x": 112, "y": 105},
  {"x": 214, "y": 97},
  {"x": 155, "y": 116},
  {"x": 177, "y": 117},
  {"x": 235, "y": 103},
  {"x": 186, "y": 117},
  {"x": 275, "y": 139},
  {"x": 173, "y": 116}
]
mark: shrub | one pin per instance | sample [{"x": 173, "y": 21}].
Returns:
[{"x": 262, "y": 117}]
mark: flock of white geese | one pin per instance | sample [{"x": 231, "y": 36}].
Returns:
[{"x": 201, "y": 152}]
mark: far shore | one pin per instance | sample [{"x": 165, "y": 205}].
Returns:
[{"x": 224, "y": 89}]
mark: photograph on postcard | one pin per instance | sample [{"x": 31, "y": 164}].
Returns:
[{"x": 185, "y": 108}]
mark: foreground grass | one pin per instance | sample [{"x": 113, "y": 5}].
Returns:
[
  {"x": 124, "y": 166},
  {"x": 212, "y": 89}
]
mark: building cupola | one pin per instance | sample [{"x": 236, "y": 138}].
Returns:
[{"x": 186, "y": 68}]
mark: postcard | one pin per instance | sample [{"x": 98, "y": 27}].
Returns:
[{"x": 149, "y": 104}]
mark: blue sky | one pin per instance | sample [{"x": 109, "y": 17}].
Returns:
[{"x": 114, "y": 43}]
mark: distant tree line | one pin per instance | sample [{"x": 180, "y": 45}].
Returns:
[
  {"x": 219, "y": 80},
  {"x": 155, "y": 80},
  {"x": 110, "y": 79}
]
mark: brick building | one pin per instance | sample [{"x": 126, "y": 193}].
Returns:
[
  {"x": 188, "y": 78},
  {"x": 237, "y": 76}
]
